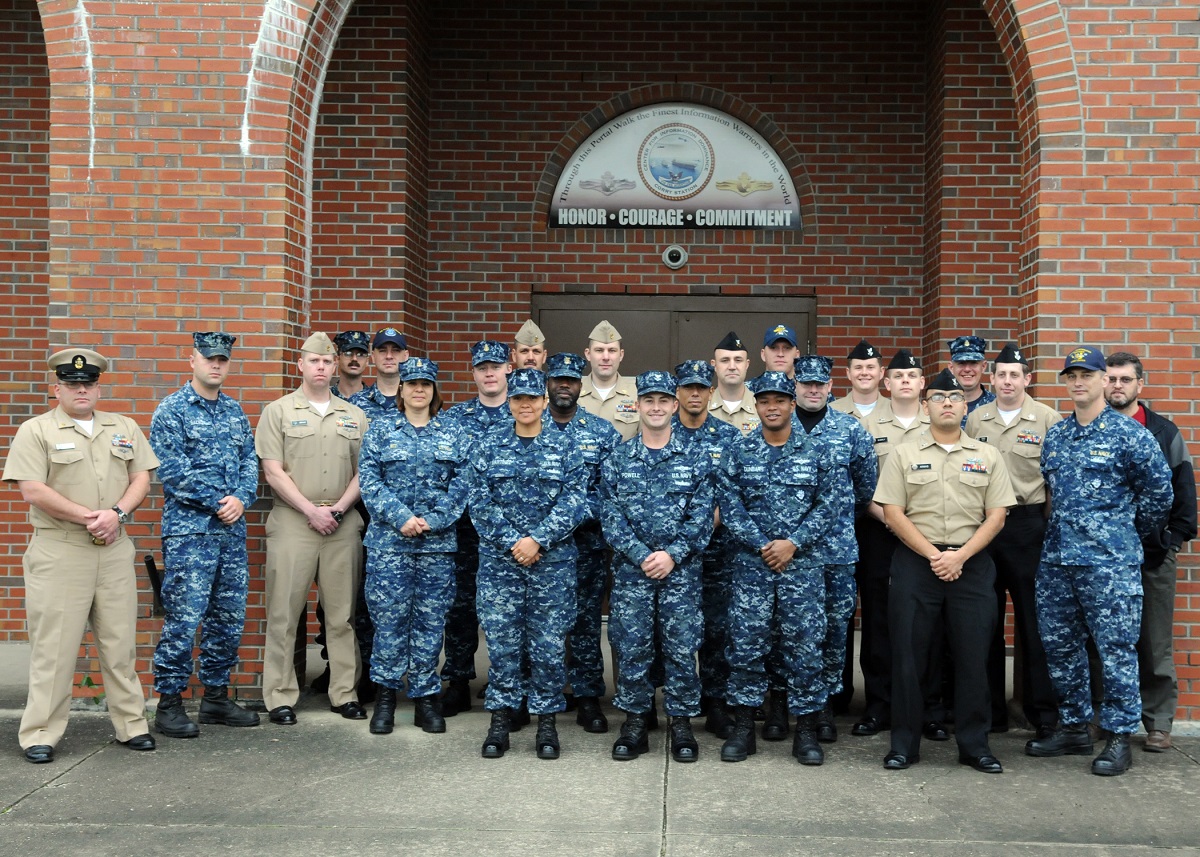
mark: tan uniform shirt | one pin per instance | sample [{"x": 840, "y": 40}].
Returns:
[
  {"x": 744, "y": 419},
  {"x": 319, "y": 453},
  {"x": 619, "y": 408},
  {"x": 91, "y": 471},
  {"x": 945, "y": 494},
  {"x": 1021, "y": 443},
  {"x": 887, "y": 432},
  {"x": 845, "y": 404}
]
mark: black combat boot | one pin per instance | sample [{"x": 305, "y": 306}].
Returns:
[
  {"x": 427, "y": 714},
  {"x": 718, "y": 721},
  {"x": 547, "y": 737},
  {"x": 826, "y": 728},
  {"x": 1116, "y": 758},
  {"x": 1071, "y": 740},
  {"x": 171, "y": 720},
  {"x": 683, "y": 743},
  {"x": 456, "y": 697},
  {"x": 740, "y": 743},
  {"x": 383, "y": 718},
  {"x": 496, "y": 742},
  {"x": 589, "y": 716},
  {"x": 805, "y": 746},
  {"x": 217, "y": 707},
  {"x": 633, "y": 741},
  {"x": 775, "y": 727}
]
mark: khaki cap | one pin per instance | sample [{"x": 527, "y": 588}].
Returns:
[
  {"x": 604, "y": 332},
  {"x": 77, "y": 364},
  {"x": 530, "y": 334},
  {"x": 318, "y": 343}
]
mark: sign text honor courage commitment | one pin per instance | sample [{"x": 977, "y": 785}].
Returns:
[{"x": 750, "y": 218}]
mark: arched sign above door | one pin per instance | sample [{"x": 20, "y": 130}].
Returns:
[{"x": 675, "y": 166}]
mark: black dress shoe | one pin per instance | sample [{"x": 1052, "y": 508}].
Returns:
[
  {"x": 894, "y": 761},
  {"x": 985, "y": 764},
  {"x": 868, "y": 726},
  {"x": 284, "y": 715},
  {"x": 39, "y": 754},
  {"x": 350, "y": 710},
  {"x": 140, "y": 742},
  {"x": 935, "y": 730}
]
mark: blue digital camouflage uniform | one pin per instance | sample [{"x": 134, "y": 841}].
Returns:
[
  {"x": 651, "y": 501},
  {"x": 1110, "y": 487},
  {"x": 516, "y": 491},
  {"x": 713, "y": 437},
  {"x": 474, "y": 421},
  {"x": 765, "y": 496},
  {"x": 206, "y": 450},
  {"x": 596, "y": 439},
  {"x": 372, "y": 402},
  {"x": 406, "y": 472}
]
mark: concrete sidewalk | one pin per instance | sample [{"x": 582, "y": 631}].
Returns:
[{"x": 327, "y": 786}]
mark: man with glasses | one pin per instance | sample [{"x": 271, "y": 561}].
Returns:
[
  {"x": 1156, "y": 659},
  {"x": 945, "y": 496}
]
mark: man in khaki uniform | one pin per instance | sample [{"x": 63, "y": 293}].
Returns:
[
  {"x": 529, "y": 350},
  {"x": 605, "y": 393},
  {"x": 945, "y": 496},
  {"x": 864, "y": 371},
  {"x": 1016, "y": 424},
  {"x": 83, "y": 472},
  {"x": 308, "y": 442},
  {"x": 733, "y": 403}
]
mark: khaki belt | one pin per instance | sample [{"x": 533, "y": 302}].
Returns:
[{"x": 78, "y": 538}]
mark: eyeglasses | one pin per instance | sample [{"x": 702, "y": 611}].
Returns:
[
  {"x": 1122, "y": 380},
  {"x": 76, "y": 386},
  {"x": 939, "y": 398}
]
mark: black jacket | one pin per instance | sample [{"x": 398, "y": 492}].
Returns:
[{"x": 1181, "y": 523}]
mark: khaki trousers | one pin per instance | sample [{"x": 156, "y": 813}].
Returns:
[
  {"x": 296, "y": 555},
  {"x": 70, "y": 583}
]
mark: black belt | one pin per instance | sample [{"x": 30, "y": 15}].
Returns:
[
  {"x": 1033, "y": 510},
  {"x": 947, "y": 547}
]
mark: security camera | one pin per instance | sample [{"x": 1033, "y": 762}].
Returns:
[{"x": 674, "y": 257}]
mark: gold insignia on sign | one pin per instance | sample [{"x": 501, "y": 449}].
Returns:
[{"x": 743, "y": 185}]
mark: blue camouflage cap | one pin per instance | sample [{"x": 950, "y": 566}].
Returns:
[
  {"x": 778, "y": 332},
  {"x": 697, "y": 372},
  {"x": 389, "y": 334},
  {"x": 526, "y": 382},
  {"x": 967, "y": 349},
  {"x": 655, "y": 381},
  {"x": 773, "y": 382},
  {"x": 488, "y": 351},
  {"x": 352, "y": 340},
  {"x": 565, "y": 365},
  {"x": 214, "y": 343},
  {"x": 418, "y": 369},
  {"x": 1084, "y": 358},
  {"x": 813, "y": 369}
]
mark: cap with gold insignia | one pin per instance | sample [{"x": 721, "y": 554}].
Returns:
[
  {"x": 1010, "y": 353},
  {"x": 489, "y": 351},
  {"x": 778, "y": 332},
  {"x": 773, "y": 382},
  {"x": 530, "y": 334},
  {"x": 813, "y": 369},
  {"x": 389, "y": 334},
  {"x": 697, "y": 373},
  {"x": 731, "y": 342},
  {"x": 967, "y": 349},
  {"x": 604, "y": 332},
  {"x": 564, "y": 365},
  {"x": 77, "y": 364},
  {"x": 904, "y": 359},
  {"x": 945, "y": 382},
  {"x": 214, "y": 343},
  {"x": 865, "y": 351},
  {"x": 1084, "y": 358},
  {"x": 352, "y": 340},
  {"x": 655, "y": 381},
  {"x": 526, "y": 382},
  {"x": 318, "y": 343},
  {"x": 418, "y": 369}
]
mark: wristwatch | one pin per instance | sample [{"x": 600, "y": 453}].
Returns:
[
  {"x": 122, "y": 515},
  {"x": 337, "y": 516}
]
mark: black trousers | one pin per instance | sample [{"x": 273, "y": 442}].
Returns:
[
  {"x": 1016, "y": 551},
  {"x": 873, "y": 574},
  {"x": 918, "y": 604}
]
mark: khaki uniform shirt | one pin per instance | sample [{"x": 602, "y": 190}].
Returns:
[
  {"x": 887, "y": 432},
  {"x": 91, "y": 471},
  {"x": 1021, "y": 443},
  {"x": 620, "y": 408},
  {"x": 319, "y": 453},
  {"x": 744, "y": 419},
  {"x": 845, "y": 404},
  {"x": 945, "y": 494}
]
